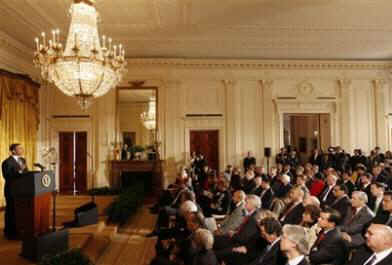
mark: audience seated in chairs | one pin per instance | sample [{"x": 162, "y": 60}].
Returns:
[{"x": 237, "y": 217}]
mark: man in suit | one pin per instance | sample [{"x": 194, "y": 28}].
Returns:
[
  {"x": 294, "y": 244},
  {"x": 377, "y": 190},
  {"x": 360, "y": 217},
  {"x": 385, "y": 216},
  {"x": 329, "y": 247},
  {"x": 237, "y": 215},
  {"x": 12, "y": 167},
  {"x": 204, "y": 240},
  {"x": 270, "y": 230},
  {"x": 326, "y": 197},
  {"x": 342, "y": 202},
  {"x": 347, "y": 180},
  {"x": 240, "y": 247},
  {"x": 267, "y": 195},
  {"x": 293, "y": 212},
  {"x": 379, "y": 241},
  {"x": 249, "y": 161},
  {"x": 365, "y": 181}
]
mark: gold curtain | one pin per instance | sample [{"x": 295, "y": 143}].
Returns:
[{"x": 19, "y": 118}]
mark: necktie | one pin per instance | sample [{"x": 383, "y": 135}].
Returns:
[
  {"x": 371, "y": 260},
  {"x": 320, "y": 238},
  {"x": 353, "y": 213},
  {"x": 264, "y": 253},
  {"x": 326, "y": 194},
  {"x": 246, "y": 219},
  {"x": 376, "y": 206},
  {"x": 287, "y": 211}
]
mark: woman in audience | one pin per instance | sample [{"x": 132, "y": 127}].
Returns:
[{"x": 309, "y": 222}]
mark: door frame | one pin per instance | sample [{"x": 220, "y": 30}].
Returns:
[
  {"x": 307, "y": 107},
  {"x": 74, "y": 125},
  {"x": 206, "y": 124}
]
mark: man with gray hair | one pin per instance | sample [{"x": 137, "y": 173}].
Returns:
[
  {"x": 204, "y": 241},
  {"x": 294, "y": 243},
  {"x": 379, "y": 241},
  {"x": 238, "y": 213},
  {"x": 239, "y": 247},
  {"x": 361, "y": 215}
]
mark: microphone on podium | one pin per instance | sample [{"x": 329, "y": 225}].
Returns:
[{"x": 41, "y": 167}]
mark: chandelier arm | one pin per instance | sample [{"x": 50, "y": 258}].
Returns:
[
  {"x": 80, "y": 81},
  {"x": 100, "y": 81}
]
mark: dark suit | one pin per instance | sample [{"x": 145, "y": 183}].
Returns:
[
  {"x": 382, "y": 218},
  {"x": 248, "y": 161},
  {"x": 11, "y": 171},
  {"x": 343, "y": 206},
  {"x": 355, "y": 225},
  {"x": 247, "y": 231},
  {"x": 360, "y": 257},
  {"x": 350, "y": 187},
  {"x": 205, "y": 257},
  {"x": 294, "y": 216},
  {"x": 266, "y": 198},
  {"x": 271, "y": 256},
  {"x": 330, "y": 250},
  {"x": 330, "y": 197}
]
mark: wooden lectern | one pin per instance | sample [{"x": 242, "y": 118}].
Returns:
[{"x": 32, "y": 193}]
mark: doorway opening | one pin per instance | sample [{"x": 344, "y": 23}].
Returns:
[
  {"x": 73, "y": 162},
  {"x": 306, "y": 132}
]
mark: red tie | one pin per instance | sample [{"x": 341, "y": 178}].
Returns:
[
  {"x": 353, "y": 213},
  {"x": 246, "y": 219},
  {"x": 320, "y": 238}
]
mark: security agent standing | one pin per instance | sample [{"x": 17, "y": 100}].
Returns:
[{"x": 12, "y": 167}]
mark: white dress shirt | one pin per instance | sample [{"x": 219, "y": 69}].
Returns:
[
  {"x": 296, "y": 260},
  {"x": 379, "y": 256}
]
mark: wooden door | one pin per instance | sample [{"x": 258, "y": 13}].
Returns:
[
  {"x": 207, "y": 143},
  {"x": 73, "y": 161},
  {"x": 81, "y": 161},
  {"x": 66, "y": 152}
]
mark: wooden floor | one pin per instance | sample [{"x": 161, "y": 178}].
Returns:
[
  {"x": 129, "y": 246},
  {"x": 105, "y": 245}
]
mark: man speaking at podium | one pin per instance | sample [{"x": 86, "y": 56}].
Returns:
[{"x": 12, "y": 167}]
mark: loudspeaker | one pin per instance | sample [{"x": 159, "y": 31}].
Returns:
[
  {"x": 267, "y": 151},
  {"x": 86, "y": 214},
  {"x": 48, "y": 244}
]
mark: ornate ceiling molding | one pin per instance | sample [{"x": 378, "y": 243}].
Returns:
[{"x": 261, "y": 64}]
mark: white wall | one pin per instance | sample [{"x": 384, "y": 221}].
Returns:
[{"x": 251, "y": 97}]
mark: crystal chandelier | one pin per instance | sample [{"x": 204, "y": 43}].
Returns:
[
  {"x": 148, "y": 117},
  {"x": 83, "y": 69}
]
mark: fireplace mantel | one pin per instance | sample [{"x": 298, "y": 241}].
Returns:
[{"x": 153, "y": 166}]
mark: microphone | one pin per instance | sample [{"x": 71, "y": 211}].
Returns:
[{"x": 41, "y": 167}]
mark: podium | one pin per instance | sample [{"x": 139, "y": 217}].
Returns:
[{"x": 32, "y": 193}]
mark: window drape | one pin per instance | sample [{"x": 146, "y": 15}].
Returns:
[{"x": 19, "y": 118}]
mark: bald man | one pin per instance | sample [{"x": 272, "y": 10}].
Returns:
[{"x": 379, "y": 241}]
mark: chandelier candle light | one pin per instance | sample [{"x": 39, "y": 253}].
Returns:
[{"x": 83, "y": 69}]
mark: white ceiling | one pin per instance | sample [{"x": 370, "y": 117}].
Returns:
[{"x": 243, "y": 29}]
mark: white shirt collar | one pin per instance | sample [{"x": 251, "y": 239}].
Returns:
[
  {"x": 273, "y": 243},
  {"x": 381, "y": 255},
  {"x": 296, "y": 260},
  {"x": 16, "y": 158}
]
